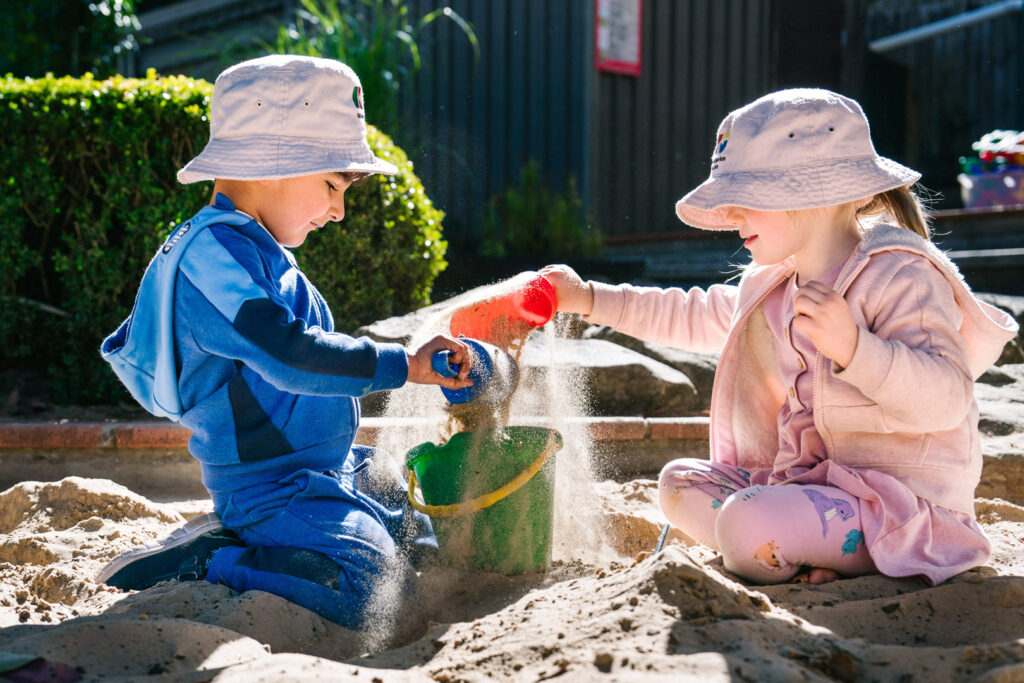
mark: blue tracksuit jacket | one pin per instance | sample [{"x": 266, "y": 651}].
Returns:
[
  {"x": 228, "y": 336},
  {"x": 263, "y": 380}
]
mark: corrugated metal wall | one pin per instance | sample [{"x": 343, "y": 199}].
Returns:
[
  {"x": 469, "y": 124},
  {"x": 634, "y": 145},
  {"x": 653, "y": 135},
  {"x": 473, "y": 124},
  {"x": 951, "y": 88}
]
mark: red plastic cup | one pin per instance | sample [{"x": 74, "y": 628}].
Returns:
[{"x": 498, "y": 319}]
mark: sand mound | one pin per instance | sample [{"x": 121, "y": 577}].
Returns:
[
  {"x": 129, "y": 647},
  {"x": 634, "y": 521},
  {"x": 74, "y": 500},
  {"x": 57, "y": 535},
  {"x": 666, "y": 616}
]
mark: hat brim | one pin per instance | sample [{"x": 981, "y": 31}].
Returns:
[
  {"x": 271, "y": 157},
  {"x": 807, "y": 187}
]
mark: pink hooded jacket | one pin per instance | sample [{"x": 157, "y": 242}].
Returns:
[{"x": 905, "y": 404}]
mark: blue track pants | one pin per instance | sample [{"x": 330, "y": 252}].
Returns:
[{"x": 325, "y": 540}]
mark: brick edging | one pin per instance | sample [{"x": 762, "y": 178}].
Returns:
[{"x": 168, "y": 435}]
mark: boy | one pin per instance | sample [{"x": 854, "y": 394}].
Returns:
[{"x": 229, "y": 336}]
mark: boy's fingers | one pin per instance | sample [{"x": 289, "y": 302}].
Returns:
[
  {"x": 455, "y": 383},
  {"x": 462, "y": 356}
]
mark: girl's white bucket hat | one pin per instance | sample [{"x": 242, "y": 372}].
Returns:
[
  {"x": 793, "y": 149},
  {"x": 283, "y": 116}
]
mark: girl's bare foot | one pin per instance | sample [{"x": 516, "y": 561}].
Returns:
[
  {"x": 815, "y": 576},
  {"x": 818, "y": 576}
]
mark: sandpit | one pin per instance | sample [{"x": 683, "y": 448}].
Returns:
[
  {"x": 674, "y": 614},
  {"x": 607, "y": 607}
]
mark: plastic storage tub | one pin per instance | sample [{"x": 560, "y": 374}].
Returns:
[{"x": 986, "y": 190}]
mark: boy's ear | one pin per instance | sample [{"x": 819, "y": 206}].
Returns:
[{"x": 356, "y": 179}]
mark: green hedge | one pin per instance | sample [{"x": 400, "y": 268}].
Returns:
[{"x": 89, "y": 167}]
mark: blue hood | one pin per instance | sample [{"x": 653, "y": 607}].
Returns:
[{"x": 141, "y": 350}]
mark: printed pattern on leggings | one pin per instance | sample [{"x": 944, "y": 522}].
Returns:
[
  {"x": 714, "y": 485},
  {"x": 826, "y": 508},
  {"x": 770, "y": 558}
]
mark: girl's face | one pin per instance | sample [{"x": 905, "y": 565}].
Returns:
[
  {"x": 291, "y": 208},
  {"x": 770, "y": 236}
]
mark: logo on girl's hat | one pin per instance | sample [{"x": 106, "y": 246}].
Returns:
[
  {"x": 723, "y": 140},
  {"x": 357, "y": 99}
]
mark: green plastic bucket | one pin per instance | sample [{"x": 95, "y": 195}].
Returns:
[{"x": 490, "y": 496}]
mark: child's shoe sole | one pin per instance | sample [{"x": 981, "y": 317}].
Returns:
[{"x": 183, "y": 555}]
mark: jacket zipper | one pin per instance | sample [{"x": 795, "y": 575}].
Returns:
[
  {"x": 728, "y": 342},
  {"x": 826, "y": 436}
]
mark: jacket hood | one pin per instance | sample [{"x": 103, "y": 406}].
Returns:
[
  {"x": 985, "y": 329},
  {"x": 141, "y": 350}
]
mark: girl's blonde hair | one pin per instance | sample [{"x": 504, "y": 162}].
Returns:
[{"x": 902, "y": 206}]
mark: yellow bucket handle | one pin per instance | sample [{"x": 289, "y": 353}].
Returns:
[{"x": 487, "y": 499}]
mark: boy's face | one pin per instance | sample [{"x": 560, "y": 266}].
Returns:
[{"x": 291, "y": 208}]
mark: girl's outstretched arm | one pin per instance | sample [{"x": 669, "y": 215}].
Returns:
[
  {"x": 697, "y": 320},
  {"x": 573, "y": 294}
]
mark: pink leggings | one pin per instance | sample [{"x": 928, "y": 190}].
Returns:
[{"x": 764, "y": 533}]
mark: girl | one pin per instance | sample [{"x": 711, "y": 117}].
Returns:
[{"x": 844, "y": 431}]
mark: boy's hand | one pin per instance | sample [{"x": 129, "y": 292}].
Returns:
[
  {"x": 823, "y": 316},
  {"x": 574, "y": 295},
  {"x": 421, "y": 372}
]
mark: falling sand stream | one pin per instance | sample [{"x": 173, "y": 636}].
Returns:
[{"x": 547, "y": 396}]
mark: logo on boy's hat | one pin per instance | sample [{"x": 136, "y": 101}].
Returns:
[
  {"x": 357, "y": 99},
  {"x": 723, "y": 140},
  {"x": 717, "y": 155}
]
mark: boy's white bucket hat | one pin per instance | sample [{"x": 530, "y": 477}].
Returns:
[
  {"x": 793, "y": 149},
  {"x": 283, "y": 116}
]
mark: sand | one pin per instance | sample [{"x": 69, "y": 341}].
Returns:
[
  {"x": 630, "y": 615},
  {"x": 607, "y": 607}
]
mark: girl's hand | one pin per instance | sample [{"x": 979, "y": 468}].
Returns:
[
  {"x": 421, "y": 372},
  {"x": 823, "y": 316},
  {"x": 574, "y": 295}
]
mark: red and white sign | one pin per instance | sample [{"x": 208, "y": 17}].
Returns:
[{"x": 617, "y": 35}]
